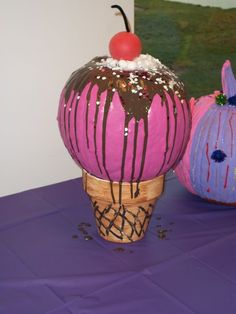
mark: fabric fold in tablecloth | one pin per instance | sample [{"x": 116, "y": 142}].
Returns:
[{"x": 53, "y": 261}]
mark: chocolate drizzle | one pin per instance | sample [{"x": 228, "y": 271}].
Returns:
[
  {"x": 68, "y": 118},
  {"x": 75, "y": 124},
  {"x": 136, "y": 90},
  {"x": 143, "y": 155},
  {"x": 175, "y": 129},
  {"x": 123, "y": 160},
  {"x": 167, "y": 136},
  {"x": 104, "y": 126},
  {"x": 95, "y": 137},
  {"x": 67, "y": 125},
  {"x": 134, "y": 157},
  {"x": 87, "y": 112}
]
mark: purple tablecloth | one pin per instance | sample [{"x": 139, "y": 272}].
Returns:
[{"x": 53, "y": 261}]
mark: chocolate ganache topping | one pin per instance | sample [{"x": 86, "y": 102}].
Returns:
[{"x": 136, "y": 90}]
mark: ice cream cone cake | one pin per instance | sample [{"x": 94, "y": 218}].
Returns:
[{"x": 126, "y": 122}]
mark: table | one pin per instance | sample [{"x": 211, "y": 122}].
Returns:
[{"x": 53, "y": 261}]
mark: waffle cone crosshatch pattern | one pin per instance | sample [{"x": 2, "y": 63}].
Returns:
[{"x": 121, "y": 216}]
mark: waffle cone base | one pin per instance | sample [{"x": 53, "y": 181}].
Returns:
[{"x": 122, "y": 210}]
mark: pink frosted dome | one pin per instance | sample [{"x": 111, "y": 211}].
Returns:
[
  {"x": 208, "y": 167},
  {"x": 123, "y": 125}
]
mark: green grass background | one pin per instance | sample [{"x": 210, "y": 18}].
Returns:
[{"x": 192, "y": 40}]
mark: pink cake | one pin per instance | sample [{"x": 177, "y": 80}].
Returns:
[{"x": 124, "y": 125}]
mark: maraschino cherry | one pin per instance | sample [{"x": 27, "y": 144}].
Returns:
[{"x": 125, "y": 45}]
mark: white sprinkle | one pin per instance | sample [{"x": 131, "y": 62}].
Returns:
[
  {"x": 160, "y": 80},
  {"x": 114, "y": 73},
  {"x": 132, "y": 78},
  {"x": 98, "y": 77},
  {"x": 126, "y": 129},
  {"x": 118, "y": 75},
  {"x": 171, "y": 84},
  {"x": 182, "y": 101},
  {"x": 113, "y": 89},
  {"x": 69, "y": 109},
  {"x": 104, "y": 78},
  {"x": 78, "y": 97},
  {"x": 134, "y": 91},
  {"x": 98, "y": 102},
  {"x": 165, "y": 87},
  {"x": 140, "y": 94}
]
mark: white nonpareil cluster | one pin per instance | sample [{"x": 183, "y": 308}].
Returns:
[{"x": 142, "y": 63}]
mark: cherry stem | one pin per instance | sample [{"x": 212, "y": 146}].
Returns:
[{"x": 115, "y": 6}]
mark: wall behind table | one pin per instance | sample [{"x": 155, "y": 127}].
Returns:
[{"x": 42, "y": 42}]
